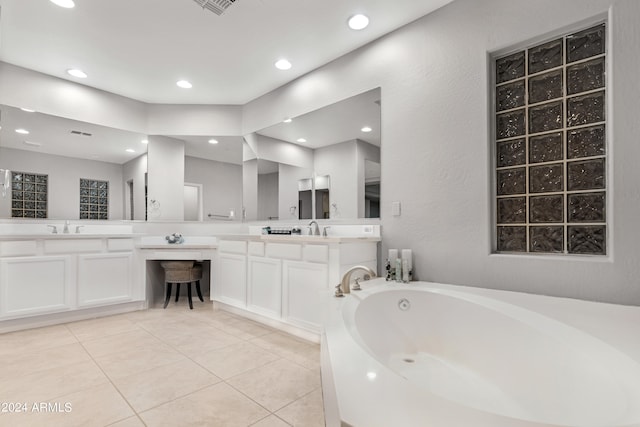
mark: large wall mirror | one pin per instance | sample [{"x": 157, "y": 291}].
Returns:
[
  {"x": 72, "y": 170},
  {"x": 322, "y": 165},
  {"x": 67, "y": 169}
]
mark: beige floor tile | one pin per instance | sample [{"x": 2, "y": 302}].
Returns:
[
  {"x": 33, "y": 340},
  {"x": 154, "y": 387},
  {"x": 308, "y": 411},
  {"x": 197, "y": 342},
  {"x": 50, "y": 383},
  {"x": 98, "y": 406},
  {"x": 297, "y": 350},
  {"x": 28, "y": 363},
  {"x": 217, "y": 405},
  {"x": 230, "y": 361},
  {"x": 136, "y": 360},
  {"x": 116, "y": 343},
  {"x": 129, "y": 422},
  {"x": 277, "y": 384},
  {"x": 101, "y": 327},
  {"x": 247, "y": 329},
  {"x": 271, "y": 421}
]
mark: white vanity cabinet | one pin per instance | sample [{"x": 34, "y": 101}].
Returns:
[
  {"x": 285, "y": 281},
  {"x": 42, "y": 277},
  {"x": 230, "y": 283}
]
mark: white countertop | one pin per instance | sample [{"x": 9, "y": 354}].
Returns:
[{"x": 70, "y": 236}]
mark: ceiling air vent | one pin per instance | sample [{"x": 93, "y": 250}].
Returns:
[
  {"x": 216, "y": 6},
  {"x": 77, "y": 132}
]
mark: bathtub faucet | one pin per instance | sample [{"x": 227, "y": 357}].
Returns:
[{"x": 344, "y": 286}]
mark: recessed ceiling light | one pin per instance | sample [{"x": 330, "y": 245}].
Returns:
[
  {"x": 77, "y": 73},
  {"x": 145, "y": 141},
  {"x": 28, "y": 110},
  {"x": 130, "y": 150},
  {"x": 22, "y": 131},
  {"x": 287, "y": 120},
  {"x": 184, "y": 84},
  {"x": 358, "y": 22},
  {"x": 301, "y": 140},
  {"x": 283, "y": 64},
  {"x": 366, "y": 129},
  {"x": 64, "y": 3},
  {"x": 213, "y": 141}
]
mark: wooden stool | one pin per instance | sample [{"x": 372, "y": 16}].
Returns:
[{"x": 182, "y": 272}]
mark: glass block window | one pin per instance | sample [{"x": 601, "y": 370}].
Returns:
[
  {"x": 550, "y": 145},
  {"x": 29, "y": 194},
  {"x": 94, "y": 199}
]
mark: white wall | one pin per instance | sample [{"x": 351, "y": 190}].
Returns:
[
  {"x": 436, "y": 151},
  {"x": 64, "y": 181},
  {"x": 250, "y": 188},
  {"x": 364, "y": 151},
  {"x": 288, "y": 190},
  {"x": 339, "y": 161},
  {"x": 165, "y": 170},
  {"x": 135, "y": 170},
  {"x": 268, "y": 196},
  {"x": 221, "y": 185}
]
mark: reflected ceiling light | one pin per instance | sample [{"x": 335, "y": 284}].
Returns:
[
  {"x": 301, "y": 140},
  {"x": 77, "y": 73},
  {"x": 184, "y": 84},
  {"x": 366, "y": 129},
  {"x": 358, "y": 22},
  {"x": 372, "y": 375},
  {"x": 22, "y": 131},
  {"x": 213, "y": 141},
  {"x": 28, "y": 110},
  {"x": 287, "y": 120},
  {"x": 64, "y": 3},
  {"x": 145, "y": 141},
  {"x": 283, "y": 64},
  {"x": 130, "y": 150}
]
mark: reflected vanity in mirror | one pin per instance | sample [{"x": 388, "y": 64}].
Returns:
[
  {"x": 67, "y": 169},
  {"x": 322, "y": 165}
]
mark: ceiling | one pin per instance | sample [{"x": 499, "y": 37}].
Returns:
[{"x": 139, "y": 49}]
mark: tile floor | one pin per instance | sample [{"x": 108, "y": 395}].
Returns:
[{"x": 173, "y": 367}]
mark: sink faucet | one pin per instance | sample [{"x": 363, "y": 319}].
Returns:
[
  {"x": 344, "y": 287},
  {"x": 316, "y": 230},
  {"x": 66, "y": 227}
]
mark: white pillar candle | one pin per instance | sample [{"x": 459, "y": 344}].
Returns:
[
  {"x": 406, "y": 255},
  {"x": 393, "y": 255}
]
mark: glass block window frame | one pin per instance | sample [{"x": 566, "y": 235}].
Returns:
[
  {"x": 550, "y": 144},
  {"x": 94, "y": 199},
  {"x": 29, "y": 195}
]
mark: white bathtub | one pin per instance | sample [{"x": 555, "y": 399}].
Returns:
[{"x": 469, "y": 357}]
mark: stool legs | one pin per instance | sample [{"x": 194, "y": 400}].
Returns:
[
  {"x": 189, "y": 295},
  {"x": 198, "y": 290},
  {"x": 177, "y": 291},
  {"x": 168, "y": 296}
]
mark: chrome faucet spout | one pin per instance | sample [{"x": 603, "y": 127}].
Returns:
[
  {"x": 345, "y": 287},
  {"x": 316, "y": 229}
]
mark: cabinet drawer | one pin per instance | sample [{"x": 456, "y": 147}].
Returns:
[
  {"x": 233, "y": 247},
  {"x": 120, "y": 244},
  {"x": 18, "y": 248},
  {"x": 72, "y": 245},
  {"x": 256, "y": 248},
  {"x": 316, "y": 253},
  {"x": 284, "y": 251}
]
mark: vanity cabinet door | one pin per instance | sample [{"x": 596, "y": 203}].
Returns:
[
  {"x": 231, "y": 284},
  {"x": 36, "y": 285},
  {"x": 305, "y": 293},
  {"x": 104, "y": 278},
  {"x": 265, "y": 286}
]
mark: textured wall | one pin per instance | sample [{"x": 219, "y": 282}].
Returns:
[{"x": 434, "y": 75}]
